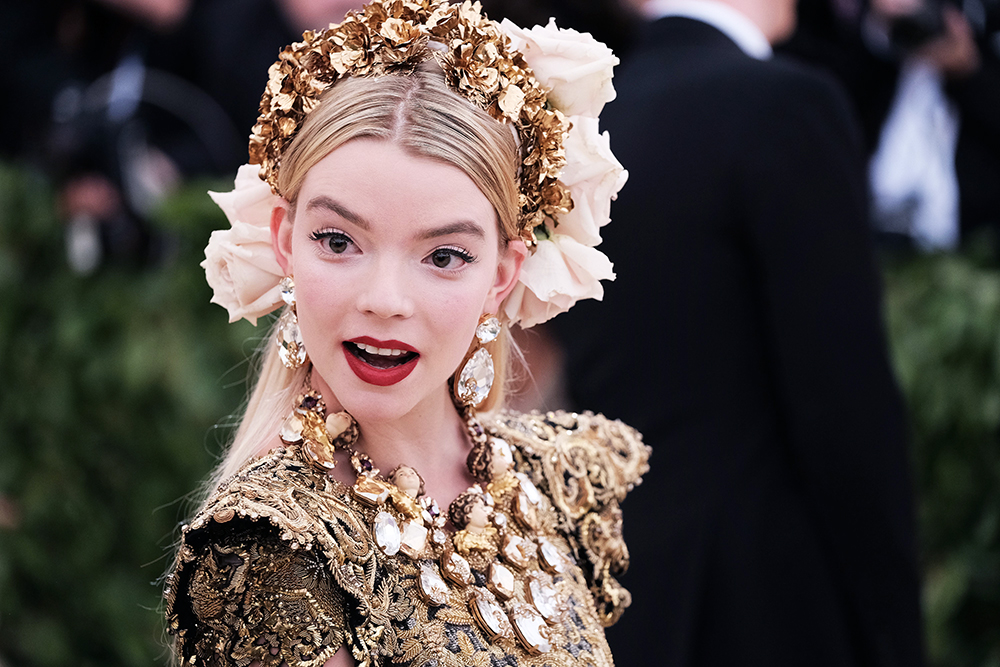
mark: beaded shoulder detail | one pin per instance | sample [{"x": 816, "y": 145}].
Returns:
[
  {"x": 586, "y": 464},
  {"x": 262, "y": 570}
]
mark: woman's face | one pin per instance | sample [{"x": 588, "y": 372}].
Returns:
[{"x": 395, "y": 258}]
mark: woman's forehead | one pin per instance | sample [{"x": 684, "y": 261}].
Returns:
[{"x": 367, "y": 174}]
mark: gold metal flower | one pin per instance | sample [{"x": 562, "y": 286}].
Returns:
[{"x": 390, "y": 36}]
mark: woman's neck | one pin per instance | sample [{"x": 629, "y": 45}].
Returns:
[{"x": 431, "y": 439}]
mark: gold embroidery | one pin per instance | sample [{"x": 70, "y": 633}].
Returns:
[{"x": 281, "y": 565}]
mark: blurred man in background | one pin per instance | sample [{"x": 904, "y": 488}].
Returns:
[{"x": 743, "y": 337}]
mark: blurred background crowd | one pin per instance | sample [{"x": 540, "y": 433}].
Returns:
[{"x": 117, "y": 373}]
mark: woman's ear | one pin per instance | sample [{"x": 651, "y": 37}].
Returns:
[
  {"x": 508, "y": 272},
  {"x": 281, "y": 235}
]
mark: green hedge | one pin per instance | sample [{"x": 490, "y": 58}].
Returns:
[
  {"x": 110, "y": 388},
  {"x": 944, "y": 324},
  {"x": 115, "y": 390}
]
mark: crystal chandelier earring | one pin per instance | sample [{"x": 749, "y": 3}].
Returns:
[
  {"x": 290, "y": 346},
  {"x": 476, "y": 377}
]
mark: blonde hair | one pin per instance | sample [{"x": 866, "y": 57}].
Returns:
[{"x": 419, "y": 112}]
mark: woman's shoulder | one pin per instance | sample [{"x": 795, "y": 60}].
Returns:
[
  {"x": 589, "y": 459},
  {"x": 282, "y": 490},
  {"x": 280, "y": 493},
  {"x": 244, "y": 595},
  {"x": 267, "y": 540},
  {"x": 585, "y": 464}
]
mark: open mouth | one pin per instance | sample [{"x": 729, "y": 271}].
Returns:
[
  {"x": 380, "y": 357},
  {"x": 380, "y": 363}
]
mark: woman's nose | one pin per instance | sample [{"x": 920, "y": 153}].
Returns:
[{"x": 386, "y": 291}]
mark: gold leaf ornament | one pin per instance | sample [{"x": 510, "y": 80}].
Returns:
[{"x": 392, "y": 36}]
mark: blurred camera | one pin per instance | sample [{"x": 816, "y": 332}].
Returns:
[{"x": 911, "y": 31}]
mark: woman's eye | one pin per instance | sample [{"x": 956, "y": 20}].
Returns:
[
  {"x": 336, "y": 242},
  {"x": 445, "y": 258}
]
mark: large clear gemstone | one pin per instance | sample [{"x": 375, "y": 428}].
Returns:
[
  {"x": 531, "y": 630},
  {"x": 490, "y": 615},
  {"x": 525, "y": 512},
  {"x": 287, "y": 290},
  {"x": 513, "y": 551},
  {"x": 432, "y": 586},
  {"x": 545, "y": 598},
  {"x": 290, "y": 347},
  {"x": 387, "y": 535},
  {"x": 457, "y": 569},
  {"x": 501, "y": 581},
  {"x": 488, "y": 330},
  {"x": 476, "y": 379},
  {"x": 529, "y": 489},
  {"x": 552, "y": 559}
]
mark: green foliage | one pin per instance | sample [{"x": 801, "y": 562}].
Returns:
[
  {"x": 944, "y": 324},
  {"x": 112, "y": 385},
  {"x": 110, "y": 388}
]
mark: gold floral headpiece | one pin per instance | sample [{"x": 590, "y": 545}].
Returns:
[
  {"x": 548, "y": 83},
  {"x": 394, "y": 36}
]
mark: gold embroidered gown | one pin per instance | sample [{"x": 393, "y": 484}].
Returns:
[{"x": 283, "y": 566}]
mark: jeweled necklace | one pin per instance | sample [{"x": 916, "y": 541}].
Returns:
[{"x": 409, "y": 522}]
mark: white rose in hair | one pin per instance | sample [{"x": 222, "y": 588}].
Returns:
[
  {"x": 250, "y": 200},
  {"x": 594, "y": 176},
  {"x": 575, "y": 66},
  {"x": 560, "y": 272},
  {"x": 239, "y": 262}
]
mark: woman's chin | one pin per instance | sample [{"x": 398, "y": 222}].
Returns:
[{"x": 372, "y": 404}]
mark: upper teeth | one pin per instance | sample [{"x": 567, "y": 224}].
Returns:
[{"x": 383, "y": 351}]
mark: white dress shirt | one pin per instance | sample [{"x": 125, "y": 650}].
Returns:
[{"x": 732, "y": 23}]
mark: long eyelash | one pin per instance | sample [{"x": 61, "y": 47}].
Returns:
[
  {"x": 462, "y": 253},
  {"x": 321, "y": 234}
]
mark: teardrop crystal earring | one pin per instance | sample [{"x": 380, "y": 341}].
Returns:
[
  {"x": 291, "y": 349},
  {"x": 475, "y": 380}
]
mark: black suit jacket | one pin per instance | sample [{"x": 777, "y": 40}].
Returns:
[{"x": 743, "y": 336}]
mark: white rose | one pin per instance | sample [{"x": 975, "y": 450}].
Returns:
[
  {"x": 574, "y": 66},
  {"x": 239, "y": 262},
  {"x": 241, "y": 269},
  {"x": 250, "y": 200},
  {"x": 593, "y": 177},
  {"x": 560, "y": 272}
]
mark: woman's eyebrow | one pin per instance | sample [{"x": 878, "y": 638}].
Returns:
[
  {"x": 460, "y": 227},
  {"x": 324, "y": 202}
]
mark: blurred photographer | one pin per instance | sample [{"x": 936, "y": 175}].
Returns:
[
  {"x": 924, "y": 77},
  {"x": 938, "y": 150}
]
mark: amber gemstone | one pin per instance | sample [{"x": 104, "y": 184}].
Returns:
[
  {"x": 370, "y": 491},
  {"x": 413, "y": 539}
]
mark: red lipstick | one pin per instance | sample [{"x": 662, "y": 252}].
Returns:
[{"x": 380, "y": 370}]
